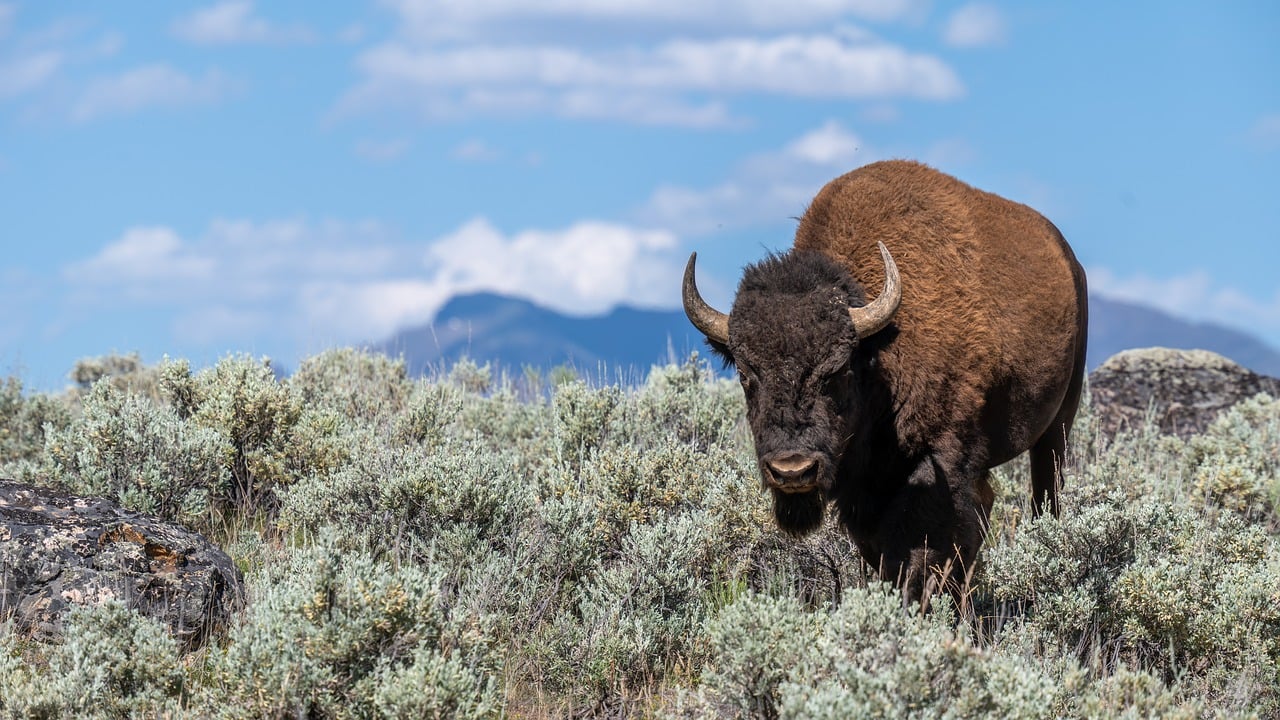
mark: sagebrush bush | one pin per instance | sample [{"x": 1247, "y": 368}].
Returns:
[
  {"x": 1235, "y": 464},
  {"x": 334, "y": 633},
  {"x": 1150, "y": 585},
  {"x": 24, "y": 419},
  {"x": 355, "y": 384},
  {"x": 466, "y": 545},
  {"x": 126, "y": 447},
  {"x": 114, "y": 663},
  {"x": 868, "y": 657},
  {"x": 126, "y": 372}
]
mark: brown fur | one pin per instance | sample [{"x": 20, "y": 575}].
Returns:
[{"x": 984, "y": 360}]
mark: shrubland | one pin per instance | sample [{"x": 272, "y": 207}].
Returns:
[{"x": 475, "y": 545}]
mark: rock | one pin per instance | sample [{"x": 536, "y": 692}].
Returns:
[
  {"x": 1184, "y": 389},
  {"x": 59, "y": 550}
]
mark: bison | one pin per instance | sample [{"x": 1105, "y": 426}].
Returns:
[{"x": 894, "y": 409}]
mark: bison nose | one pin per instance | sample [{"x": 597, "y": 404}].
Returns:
[{"x": 792, "y": 471}]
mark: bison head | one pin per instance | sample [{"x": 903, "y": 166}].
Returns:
[{"x": 793, "y": 335}]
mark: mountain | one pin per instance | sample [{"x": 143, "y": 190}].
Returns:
[
  {"x": 515, "y": 333},
  {"x": 1115, "y": 325}
]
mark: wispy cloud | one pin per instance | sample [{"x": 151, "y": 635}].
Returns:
[
  {"x": 1265, "y": 133},
  {"x": 476, "y": 150},
  {"x": 766, "y": 188},
  {"x": 774, "y": 187},
  {"x": 142, "y": 259},
  {"x": 234, "y": 22},
  {"x": 381, "y": 151},
  {"x": 7, "y": 11},
  {"x": 352, "y": 282},
  {"x": 436, "y": 19},
  {"x": 1193, "y": 295},
  {"x": 148, "y": 86},
  {"x": 976, "y": 25},
  {"x": 27, "y": 72},
  {"x": 679, "y": 82}
]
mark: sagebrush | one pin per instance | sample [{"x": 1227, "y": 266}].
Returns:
[{"x": 473, "y": 545}]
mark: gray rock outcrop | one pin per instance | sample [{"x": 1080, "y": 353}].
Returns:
[
  {"x": 59, "y": 550},
  {"x": 1185, "y": 390}
]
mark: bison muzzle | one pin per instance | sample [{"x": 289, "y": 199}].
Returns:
[{"x": 894, "y": 408}]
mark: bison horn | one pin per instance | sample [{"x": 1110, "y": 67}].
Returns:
[
  {"x": 873, "y": 317},
  {"x": 713, "y": 323}
]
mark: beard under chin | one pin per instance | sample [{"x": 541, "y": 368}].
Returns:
[{"x": 799, "y": 514}]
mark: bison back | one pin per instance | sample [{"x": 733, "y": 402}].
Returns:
[{"x": 992, "y": 322}]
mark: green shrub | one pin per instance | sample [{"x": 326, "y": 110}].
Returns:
[
  {"x": 114, "y": 663},
  {"x": 124, "y": 446},
  {"x": 126, "y": 372},
  {"x": 1151, "y": 585},
  {"x": 582, "y": 418},
  {"x": 337, "y": 634},
  {"x": 431, "y": 412},
  {"x": 689, "y": 404},
  {"x": 866, "y": 657},
  {"x": 464, "y": 546},
  {"x": 1235, "y": 464},
  {"x": 353, "y": 383},
  {"x": 23, "y": 421}
]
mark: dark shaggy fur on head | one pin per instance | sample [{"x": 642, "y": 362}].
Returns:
[
  {"x": 793, "y": 344},
  {"x": 786, "y": 276}
]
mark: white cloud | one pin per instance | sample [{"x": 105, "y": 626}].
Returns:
[
  {"x": 774, "y": 187},
  {"x": 434, "y": 19},
  {"x": 382, "y": 150},
  {"x": 143, "y": 259},
  {"x": 353, "y": 282},
  {"x": 680, "y": 82},
  {"x": 766, "y": 188},
  {"x": 586, "y": 268},
  {"x": 234, "y": 22},
  {"x": 976, "y": 25},
  {"x": 476, "y": 150},
  {"x": 28, "y": 72},
  {"x": 1265, "y": 133},
  {"x": 1193, "y": 295},
  {"x": 830, "y": 144},
  {"x": 148, "y": 86}
]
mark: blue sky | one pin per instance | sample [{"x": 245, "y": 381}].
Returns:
[{"x": 196, "y": 179}]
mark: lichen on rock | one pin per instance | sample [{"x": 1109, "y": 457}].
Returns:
[{"x": 58, "y": 551}]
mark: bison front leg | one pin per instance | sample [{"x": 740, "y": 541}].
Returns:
[{"x": 930, "y": 534}]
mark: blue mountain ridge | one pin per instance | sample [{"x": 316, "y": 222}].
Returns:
[{"x": 513, "y": 333}]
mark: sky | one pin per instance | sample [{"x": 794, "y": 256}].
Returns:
[{"x": 196, "y": 179}]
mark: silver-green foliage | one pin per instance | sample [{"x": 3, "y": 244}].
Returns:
[
  {"x": 114, "y": 663},
  {"x": 24, "y": 419},
  {"x": 334, "y": 633},
  {"x": 452, "y": 547},
  {"x": 1164, "y": 560},
  {"x": 870, "y": 657},
  {"x": 127, "y": 447},
  {"x": 585, "y": 529}
]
